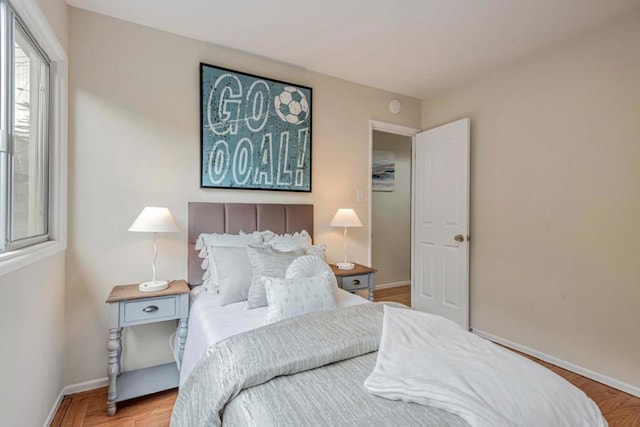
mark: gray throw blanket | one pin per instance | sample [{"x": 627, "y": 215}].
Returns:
[{"x": 289, "y": 347}]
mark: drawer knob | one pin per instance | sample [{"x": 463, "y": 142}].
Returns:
[
  {"x": 150, "y": 309},
  {"x": 355, "y": 282}
]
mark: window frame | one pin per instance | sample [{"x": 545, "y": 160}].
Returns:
[
  {"x": 7, "y": 231},
  {"x": 34, "y": 21}
]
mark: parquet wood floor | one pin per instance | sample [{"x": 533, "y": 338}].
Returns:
[{"x": 90, "y": 408}]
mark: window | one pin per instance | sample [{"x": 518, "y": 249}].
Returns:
[
  {"x": 33, "y": 79},
  {"x": 25, "y": 129}
]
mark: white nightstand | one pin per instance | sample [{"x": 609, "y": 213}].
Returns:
[{"x": 129, "y": 307}]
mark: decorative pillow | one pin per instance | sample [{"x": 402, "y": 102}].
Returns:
[
  {"x": 310, "y": 266},
  {"x": 293, "y": 297},
  {"x": 286, "y": 242},
  {"x": 206, "y": 244},
  {"x": 225, "y": 239},
  {"x": 317, "y": 250},
  {"x": 233, "y": 271},
  {"x": 267, "y": 261}
]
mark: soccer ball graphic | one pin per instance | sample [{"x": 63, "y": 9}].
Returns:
[{"x": 291, "y": 106}]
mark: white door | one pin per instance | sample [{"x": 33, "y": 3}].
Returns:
[{"x": 441, "y": 222}]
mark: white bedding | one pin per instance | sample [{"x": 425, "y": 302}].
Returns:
[
  {"x": 209, "y": 322},
  {"x": 432, "y": 361}
]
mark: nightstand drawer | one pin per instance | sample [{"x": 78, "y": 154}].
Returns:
[
  {"x": 354, "y": 283},
  {"x": 149, "y": 309}
]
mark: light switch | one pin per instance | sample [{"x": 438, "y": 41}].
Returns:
[{"x": 359, "y": 195}]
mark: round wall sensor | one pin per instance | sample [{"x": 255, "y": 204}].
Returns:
[{"x": 395, "y": 107}]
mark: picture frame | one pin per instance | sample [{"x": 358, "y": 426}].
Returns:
[
  {"x": 255, "y": 132},
  {"x": 383, "y": 171}
]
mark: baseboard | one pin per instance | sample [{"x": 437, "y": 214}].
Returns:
[
  {"x": 612, "y": 382},
  {"x": 71, "y": 389},
  {"x": 392, "y": 285},
  {"x": 53, "y": 411},
  {"x": 85, "y": 386}
]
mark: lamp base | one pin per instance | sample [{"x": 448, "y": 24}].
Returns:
[
  {"x": 345, "y": 266},
  {"x": 158, "y": 285}
]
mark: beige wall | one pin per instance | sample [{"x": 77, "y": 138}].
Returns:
[
  {"x": 134, "y": 141},
  {"x": 56, "y": 13},
  {"x": 32, "y": 318},
  {"x": 32, "y": 331},
  {"x": 391, "y": 215},
  {"x": 555, "y": 200}
]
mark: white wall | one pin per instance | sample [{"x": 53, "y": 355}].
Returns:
[
  {"x": 391, "y": 215},
  {"x": 134, "y": 141},
  {"x": 32, "y": 318},
  {"x": 555, "y": 199}
]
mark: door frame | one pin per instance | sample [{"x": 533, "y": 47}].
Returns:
[{"x": 397, "y": 130}]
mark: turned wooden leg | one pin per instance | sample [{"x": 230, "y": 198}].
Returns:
[
  {"x": 114, "y": 346},
  {"x": 120, "y": 354},
  {"x": 372, "y": 285},
  {"x": 182, "y": 337}
]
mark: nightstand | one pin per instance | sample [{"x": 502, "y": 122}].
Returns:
[
  {"x": 361, "y": 277},
  {"x": 129, "y": 307}
]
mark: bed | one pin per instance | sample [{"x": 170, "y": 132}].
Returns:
[
  {"x": 358, "y": 364},
  {"x": 209, "y": 322}
]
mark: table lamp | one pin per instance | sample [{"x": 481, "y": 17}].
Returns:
[
  {"x": 154, "y": 220},
  {"x": 345, "y": 218}
]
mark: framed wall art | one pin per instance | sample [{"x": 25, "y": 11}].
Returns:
[
  {"x": 255, "y": 132},
  {"x": 383, "y": 177}
]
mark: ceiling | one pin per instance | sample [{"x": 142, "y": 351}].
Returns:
[{"x": 412, "y": 47}]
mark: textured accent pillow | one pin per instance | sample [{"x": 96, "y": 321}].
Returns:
[
  {"x": 292, "y": 297},
  {"x": 317, "y": 250},
  {"x": 206, "y": 244},
  {"x": 286, "y": 242},
  {"x": 225, "y": 239},
  {"x": 309, "y": 266},
  {"x": 233, "y": 271},
  {"x": 267, "y": 261}
]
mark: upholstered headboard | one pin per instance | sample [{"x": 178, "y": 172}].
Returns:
[{"x": 235, "y": 217}]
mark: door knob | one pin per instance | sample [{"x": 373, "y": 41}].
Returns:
[{"x": 459, "y": 238}]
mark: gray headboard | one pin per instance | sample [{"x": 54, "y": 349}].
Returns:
[{"x": 235, "y": 217}]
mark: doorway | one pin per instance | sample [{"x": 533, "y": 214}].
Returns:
[
  {"x": 439, "y": 218},
  {"x": 395, "y": 273},
  {"x": 391, "y": 208}
]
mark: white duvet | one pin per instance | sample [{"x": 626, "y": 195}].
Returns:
[{"x": 432, "y": 361}]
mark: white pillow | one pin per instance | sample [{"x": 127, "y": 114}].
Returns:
[
  {"x": 292, "y": 297},
  {"x": 286, "y": 242},
  {"x": 206, "y": 244},
  {"x": 266, "y": 261},
  {"x": 233, "y": 271},
  {"x": 317, "y": 250},
  {"x": 225, "y": 239},
  {"x": 309, "y": 266},
  {"x": 289, "y": 242}
]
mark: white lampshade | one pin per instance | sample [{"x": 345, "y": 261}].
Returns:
[
  {"x": 155, "y": 220},
  {"x": 345, "y": 218}
]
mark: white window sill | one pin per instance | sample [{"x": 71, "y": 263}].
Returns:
[{"x": 14, "y": 260}]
